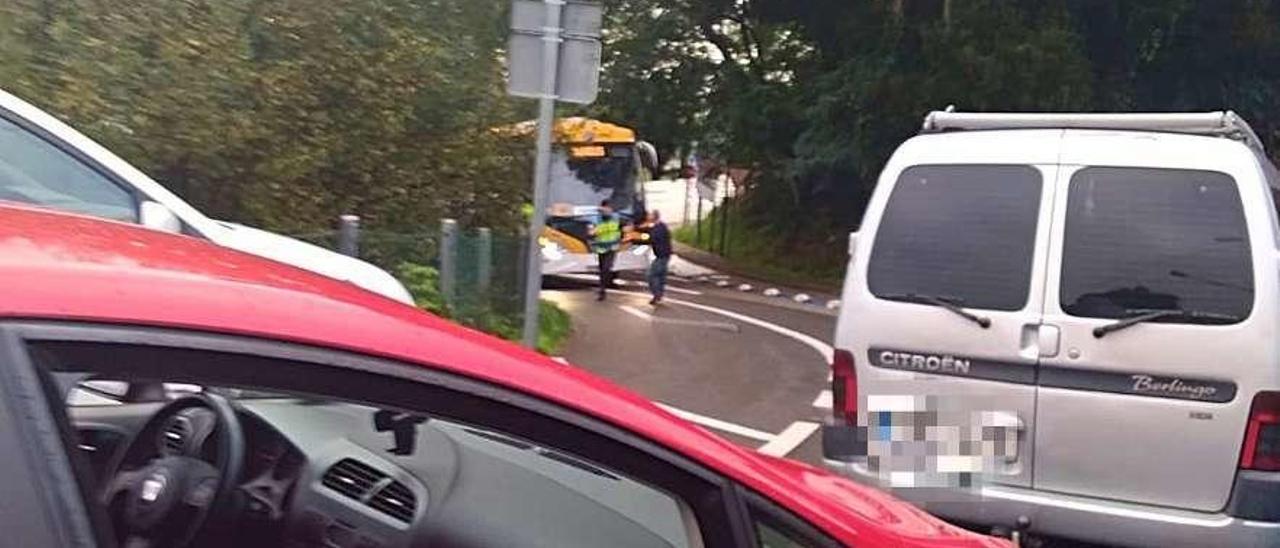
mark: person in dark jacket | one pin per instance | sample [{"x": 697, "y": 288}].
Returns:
[{"x": 660, "y": 242}]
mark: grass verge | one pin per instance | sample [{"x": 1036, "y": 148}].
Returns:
[{"x": 755, "y": 252}]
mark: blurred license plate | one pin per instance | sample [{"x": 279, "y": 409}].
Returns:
[{"x": 913, "y": 443}]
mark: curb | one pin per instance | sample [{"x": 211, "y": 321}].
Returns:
[{"x": 718, "y": 263}]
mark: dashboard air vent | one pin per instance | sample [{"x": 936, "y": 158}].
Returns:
[
  {"x": 174, "y": 437},
  {"x": 352, "y": 478},
  {"x": 395, "y": 500}
]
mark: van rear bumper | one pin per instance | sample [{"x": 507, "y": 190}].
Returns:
[{"x": 1075, "y": 517}]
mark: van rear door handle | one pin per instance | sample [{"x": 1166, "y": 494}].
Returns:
[
  {"x": 1039, "y": 341},
  {"x": 1049, "y": 338}
]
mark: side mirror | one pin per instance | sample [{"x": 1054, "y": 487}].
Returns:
[
  {"x": 648, "y": 158},
  {"x": 853, "y": 245},
  {"x": 156, "y": 216}
]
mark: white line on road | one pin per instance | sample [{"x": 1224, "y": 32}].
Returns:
[
  {"x": 824, "y": 349},
  {"x": 718, "y": 424},
  {"x": 683, "y": 290},
  {"x": 793, "y": 435},
  {"x": 824, "y": 399},
  {"x": 636, "y": 312},
  {"x": 789, "y": 439},
  {"x": 593, "y": 279},
  {"x": 676, "y": 321}
]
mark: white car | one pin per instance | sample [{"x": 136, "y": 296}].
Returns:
[{"x": 47, "y": 163}]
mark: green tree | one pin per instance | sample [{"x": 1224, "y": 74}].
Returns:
[{"x": 286, "y": 113}]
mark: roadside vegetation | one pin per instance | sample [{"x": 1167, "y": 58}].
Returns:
[
  {"x": 758, "y": 251},
  {"x": 478, "y": 312},
  {"x": 284, "y": 114}
]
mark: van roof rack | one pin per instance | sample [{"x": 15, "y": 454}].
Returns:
[{"x": 1222, "y": 123}]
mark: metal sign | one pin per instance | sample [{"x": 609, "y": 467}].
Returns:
[
  {"x": 577, "y": 19},
  {"x": 577, "y": 78},
  {"x": 577, "y": 74},
  {"x": 553, "y": 54}
]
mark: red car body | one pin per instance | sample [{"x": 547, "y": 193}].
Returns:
[{"x": 65, "y": 267}]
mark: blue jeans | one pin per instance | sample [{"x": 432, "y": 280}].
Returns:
[{"x": 657, "y": 276}]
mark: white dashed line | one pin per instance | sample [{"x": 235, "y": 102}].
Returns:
[
  {"x": 789, "y": 439},
  {"x": 718, "y": 424}
]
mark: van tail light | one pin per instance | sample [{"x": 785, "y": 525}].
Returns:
[
  {"x": 844, "y": 387},
  {"x": 1262, "y": 436}
]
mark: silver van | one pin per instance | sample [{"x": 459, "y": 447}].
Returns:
[{"x": 1069, "y": 325}]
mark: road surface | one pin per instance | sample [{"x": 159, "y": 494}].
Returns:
[{"x": 751, "y": 368}]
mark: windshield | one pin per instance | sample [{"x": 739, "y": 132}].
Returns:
[{"x": 588, "y": 181}]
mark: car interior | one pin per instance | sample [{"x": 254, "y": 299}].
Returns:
[{"x": 175, "y": 460}]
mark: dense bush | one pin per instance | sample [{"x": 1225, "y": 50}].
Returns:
[{"x": 423, "y": 283}]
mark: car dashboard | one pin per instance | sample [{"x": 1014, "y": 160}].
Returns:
[{"x": 322, "y": 475}]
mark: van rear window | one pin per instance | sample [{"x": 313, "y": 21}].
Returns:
[
  {"x": 1140, "y": 239},
  {"x": 963, "y": 233}
]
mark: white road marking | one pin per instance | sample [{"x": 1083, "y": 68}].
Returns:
[
  {"x": 593, "y": 279},
  {"x": 824, "y": 399},
  {"x": 718, "y": 424},
  {"x": 676, "y": 321},
  {"x": 636, "y": 312},
  {"x": 683, "y": 291},
  {"x": 823, "y": 349},
  {"x": 793, "y": 435},
  {"x": 560, "y": 359},
  {"x": 789, "y": 439}
]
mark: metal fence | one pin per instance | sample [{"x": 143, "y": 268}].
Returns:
[{"x": 471, "y": 275}]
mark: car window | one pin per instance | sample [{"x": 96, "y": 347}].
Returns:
[
  {"x": 1143, "y": 239},
  {"x": 962, "y": 232},
  {"x": 33, "y": 171},
  {"x": 494, "y": 481},
  {"x": 770, "y": 536},
  {"x": 777, "y": 528}
]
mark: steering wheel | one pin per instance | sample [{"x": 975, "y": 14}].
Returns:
[{"x": 161, "y": 490}]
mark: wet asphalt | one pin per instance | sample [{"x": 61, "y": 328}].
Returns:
[{"x": 705, "y": 363}]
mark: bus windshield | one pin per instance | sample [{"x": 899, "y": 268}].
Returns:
[{"x": 580, "y": 182}]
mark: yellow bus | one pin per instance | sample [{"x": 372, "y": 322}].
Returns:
[{"x": 592, "y": 161}]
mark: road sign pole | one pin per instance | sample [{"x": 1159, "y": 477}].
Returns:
[{"x": 541, "y": 168}]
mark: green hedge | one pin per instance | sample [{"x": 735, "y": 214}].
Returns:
[{"x": 423, "y": 283}]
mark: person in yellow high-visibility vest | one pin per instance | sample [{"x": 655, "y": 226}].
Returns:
[{"x": 606, "y": 238}]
